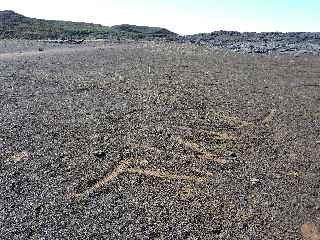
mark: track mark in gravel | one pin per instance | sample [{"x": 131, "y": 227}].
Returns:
[
  {"x": 204, "y": 154},
  {"x": 167, "y": 175},
  {"x": 235, "y": 122},
  {"x": 309, "y": 232},
  {"x": 306, "y": 85},
  {"x": 48, "y": 52},
  {"x": 269, "y": 117},
  {"x": 47, "y": 94},
  {"x": 124, "y": 167}
]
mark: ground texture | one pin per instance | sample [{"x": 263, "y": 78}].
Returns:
[{"x": 158, "y": 141}]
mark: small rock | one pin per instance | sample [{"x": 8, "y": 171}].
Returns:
[
  {"x": 99, "y": 154},
  {"x": 20, "y": 156},
  {"x": 278, "y": 176},
  {"x": 254, "y": 180}
]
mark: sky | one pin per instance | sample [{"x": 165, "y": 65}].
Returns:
[{"x": 181, "y": 16}]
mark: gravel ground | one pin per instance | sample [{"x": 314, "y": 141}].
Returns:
[{"x": 157, "y": 141}]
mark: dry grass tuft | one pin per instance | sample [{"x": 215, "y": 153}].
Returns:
[{"x": 222, "y": 136}]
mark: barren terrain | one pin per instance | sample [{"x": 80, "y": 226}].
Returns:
[{"x": 157, "y": 141}]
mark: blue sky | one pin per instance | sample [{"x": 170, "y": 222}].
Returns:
[{"x": 181, "y": 16}]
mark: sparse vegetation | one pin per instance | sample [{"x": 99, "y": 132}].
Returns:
[{"x": 17, "y": 26}]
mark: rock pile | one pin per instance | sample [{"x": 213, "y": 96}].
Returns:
[{"x": 258, "y": 43}]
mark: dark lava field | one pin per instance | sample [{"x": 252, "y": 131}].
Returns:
[{"x": 157, "y": 141}]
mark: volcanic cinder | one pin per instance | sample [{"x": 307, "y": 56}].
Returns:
[{"x": 157, "y": 141}]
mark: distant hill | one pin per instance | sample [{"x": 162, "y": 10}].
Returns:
[
  {"x": 142, "y": 31},
  {"x": 17, "y": 26}
]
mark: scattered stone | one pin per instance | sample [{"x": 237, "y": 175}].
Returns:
[
  {"x": 294, "y": 174},
  {"x": 254, "y": 181},
  {"x": 20, "y": 156},
  {"x": 233, "y": 155},
  {"x": 99, "y": 154}
]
